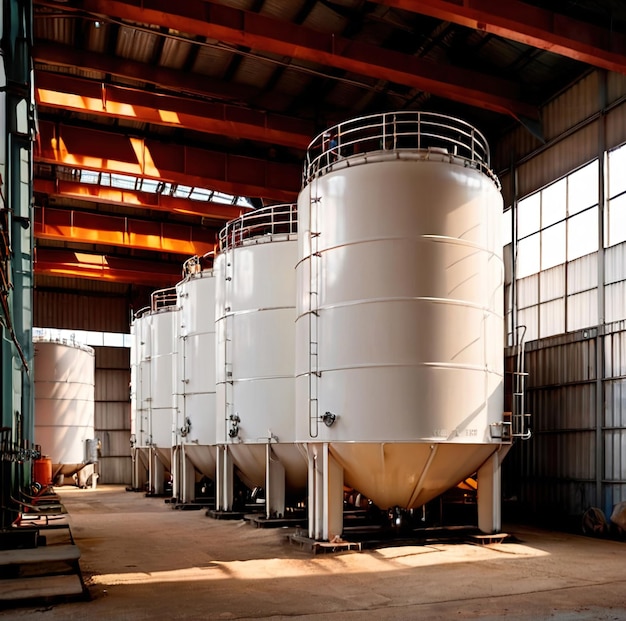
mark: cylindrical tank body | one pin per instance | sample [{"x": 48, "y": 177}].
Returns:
[
  {"x": 163, "y": 326},
  {"x": 255, "y": 309},
  {"x": 195, "y": 426},
  {"x": 140, "y": 355},
  {"x": 399, "y": 335},
  {"x": 64, "y": 403}
]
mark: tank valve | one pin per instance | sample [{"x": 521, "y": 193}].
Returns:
[
  {"x": 184, "y": 431},
  {"x": 233, "y": 432},
  {"x": 328, "y": 418}
]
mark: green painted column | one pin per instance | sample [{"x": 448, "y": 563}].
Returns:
[{"x": 17, "y": 119}]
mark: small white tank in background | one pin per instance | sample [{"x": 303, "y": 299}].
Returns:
[{"x": 64, "y": 406}]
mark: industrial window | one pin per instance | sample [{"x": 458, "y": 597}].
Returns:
[
  {"x": 615, "y": 214},
  {"x": 559, "y": 214},
  {"x": 557, "y": 235},
  {"x": 84, "y": 337}
]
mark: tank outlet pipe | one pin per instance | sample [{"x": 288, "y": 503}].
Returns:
[{"x": 420, "y": 483}]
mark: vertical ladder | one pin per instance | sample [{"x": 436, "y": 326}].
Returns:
[
  {"x": 314, "y": 293},
  {"x": 229, "y": 270},
  {"x": 520, "y": 419}
]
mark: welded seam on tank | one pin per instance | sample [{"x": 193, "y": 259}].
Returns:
[
  {"x": 254, "y": 310},
  {"x": 254, "y": 379},
  {"x": 457, "y": 241},
  {"x": 435, "y": 365},
  {"x": 446, "y": 301}
]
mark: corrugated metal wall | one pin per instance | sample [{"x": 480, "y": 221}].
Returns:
[
  {"x": 571, "y": 129},
  {"x": 81, "y": 311},
  {"x": 576, "y": 358},
  {"x": 112, "y": 413}
]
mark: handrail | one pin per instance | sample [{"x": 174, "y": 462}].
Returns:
[
  {"x": 193, "y": 265},
  {"x": 163, "y": 298},
  {"x": 275, "y": 219},
  {"x": 398, "y": 131}
]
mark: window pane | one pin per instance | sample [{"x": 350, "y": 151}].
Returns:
[
  {"x": 528, "y": 256},
  {"x": 528, "y": 211},
  {"x": 617, "y": 166},
  {"x": 582, "y": 234},
  {"x": 552, "y": 318},
  {"x": 582, "y": 188},
  {"x": 553, "y": 246},
  {"x": 616, "y": 221},
  {"x": 553, "y": 203}
]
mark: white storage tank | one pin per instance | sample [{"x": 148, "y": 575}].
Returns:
[
  {"x": 195, "y": 424},
  {"x": 163, "y": 325},
  {"x": 64, "y": 405},
  {"x": 140, "y": 354},
  {"x": 400, "y": 307},
  {"x": 255, "y": 309}
]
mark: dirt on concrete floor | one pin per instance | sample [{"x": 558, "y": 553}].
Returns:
[{"x": 143, "y": 560}]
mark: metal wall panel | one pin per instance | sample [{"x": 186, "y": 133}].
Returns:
[
  {"x": 615, "y": 302},
  {"x": 582, "y": 310},
  {"x": 615, "y": 86},
  {"x": 73, "y": 311},
  {"x": 111, "y": 415},
  {"x": 567, "y": 363},
  {"x": 615, "y": 455},
  {"x": 112, "y": 384},
  {"x": 576, "y": 104},
  {"x": 112, "y": 397},
  {"x": 582, "y": 273},
  {"x": 615, "y": 263},
  {"x": 552, "y": 318},
  {"x": 558, "y": 160},
  {"x": 115, "y": 470},
  {"x": 528, "y": 291},
  {"x": 529, "y": 317},
  {"x": 616, "y": 126},
  {"x": 615, "y": 355},
  {"x": 552, "y": 283},
  {"x": 115, "y": 443},
  {"x": 114, "y": 358}
]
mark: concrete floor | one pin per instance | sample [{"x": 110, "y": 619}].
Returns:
[{"x": 143, "y": 560}]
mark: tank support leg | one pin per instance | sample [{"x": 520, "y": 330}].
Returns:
[
  {"x": 325, "y": 477},
  {"x": 490, "y": 493},
  {"x": 274, "y": 485},
  {"x": 183, "y": 476},
  {"x": 139, "y": 470},
  {"x": 224, "y": 480},
  {"x": 176, "y": 473},
  {"x": 157, "y": 473},
  {"x": 188, "y": 478}
]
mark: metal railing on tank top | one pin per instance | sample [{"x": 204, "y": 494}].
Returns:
[
  {"x": 397, "y": 131},
  {"x": 272, "y": 220}
]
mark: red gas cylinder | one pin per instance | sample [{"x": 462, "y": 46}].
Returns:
[{"x": 42, "y": 472}]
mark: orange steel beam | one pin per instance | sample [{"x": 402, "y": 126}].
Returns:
[
  {"x": 72, "y": 264},
  {"x": 531, "y": 25},
  {"x": 69, "y": 93},
  {"x": 98, "y": 150},
  {"x": 179, "y": 81},
  {"x": 142, "y": 200},
  {"x": 259, "y": 32},
  {"x": 120, "y": 231}
]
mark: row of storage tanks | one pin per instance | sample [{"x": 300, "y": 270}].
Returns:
[{"x": 355, "y": 338}]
